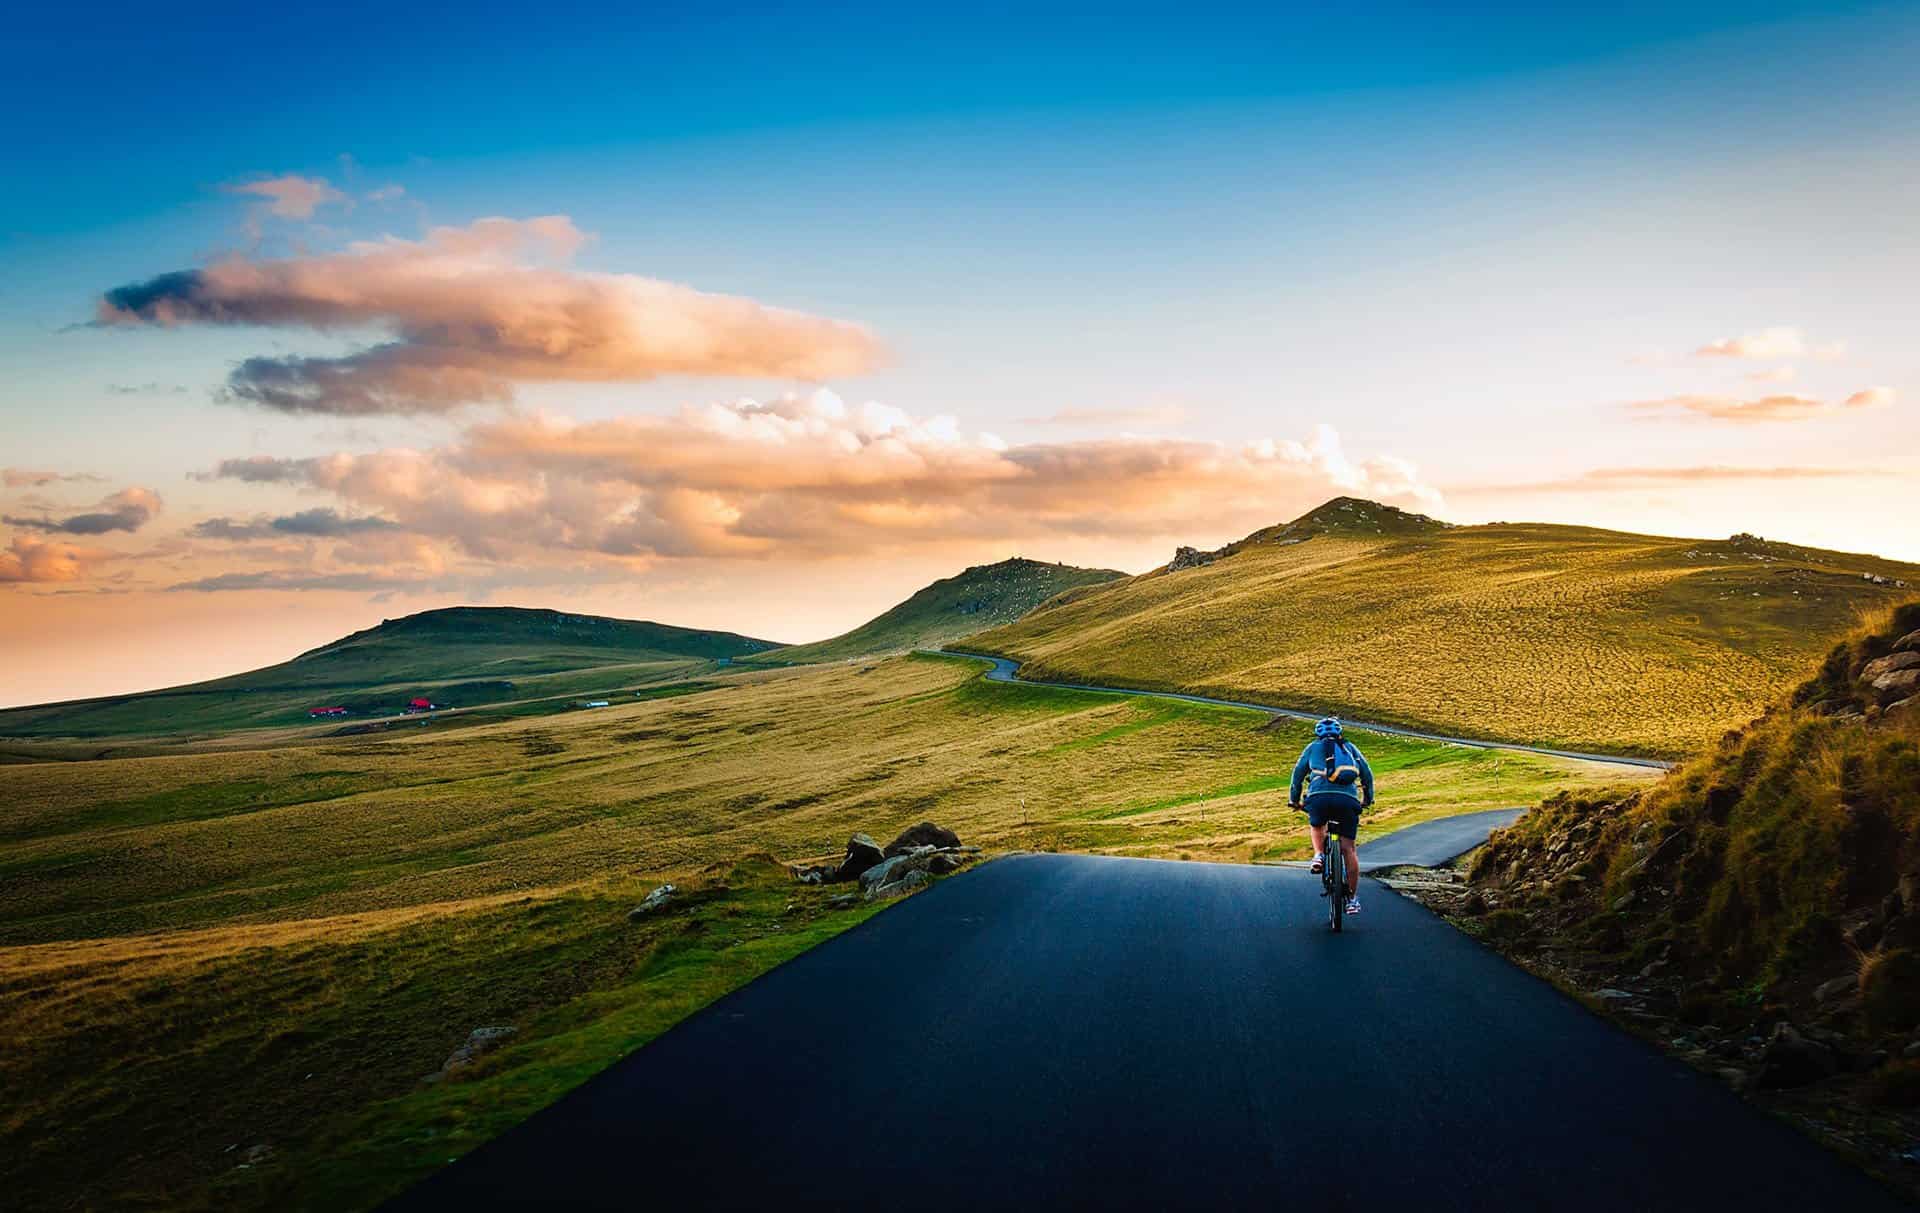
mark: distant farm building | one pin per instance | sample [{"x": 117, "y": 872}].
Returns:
[
  {"x": 596, "y": 703},
  {"x": 319, "y": 712},
  {"x": 418, "y": 704}
]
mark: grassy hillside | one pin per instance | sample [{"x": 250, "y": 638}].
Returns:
[
  {"x": 461, "y": 656},
  {"x": 288, "y": 939},
  {"x": 1556, "y": 635},
  {"x": 984, "y": 596},
  {"x": 1773, "y": 880}
]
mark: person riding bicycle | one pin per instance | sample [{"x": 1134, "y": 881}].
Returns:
[{"x": 1338, "y": 784}]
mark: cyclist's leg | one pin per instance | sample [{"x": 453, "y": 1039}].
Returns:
[
  {"x": 1318, "y": 833},
  {"x": 1348, "y": 829}
]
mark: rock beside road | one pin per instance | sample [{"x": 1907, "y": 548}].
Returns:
[
  {"x": 862, "y": 853},
  {"x": 920, "y": 852},
  {"x": 927, "y": 834}
]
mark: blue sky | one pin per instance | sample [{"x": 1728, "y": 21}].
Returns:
[{"x": 1486, "y": 242}]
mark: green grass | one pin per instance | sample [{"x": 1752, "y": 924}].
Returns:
[
  {"x": 1561, "y": 636},
  {"x": 981, "y": 597}
]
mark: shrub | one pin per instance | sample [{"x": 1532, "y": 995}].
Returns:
[{"x": 1896, "y": 1085}]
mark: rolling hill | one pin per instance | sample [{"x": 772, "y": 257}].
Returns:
[
  {"x": 984, "y": 596},
  {"x": 1559, "y": 635},
  {"x": 459, "y": 657}
]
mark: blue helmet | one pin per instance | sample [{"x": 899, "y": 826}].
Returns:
[{"x": 1330, "y": 727}]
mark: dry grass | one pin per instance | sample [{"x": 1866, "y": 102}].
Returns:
[{"x": 1561, "y": 636}]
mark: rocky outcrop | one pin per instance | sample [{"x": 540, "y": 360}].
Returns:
[
  {"x": 1190, "y": 558},
  {"x": 921, "y": 851}
]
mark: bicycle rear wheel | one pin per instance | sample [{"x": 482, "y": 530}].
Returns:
[{"x": 1336, "y": 879}]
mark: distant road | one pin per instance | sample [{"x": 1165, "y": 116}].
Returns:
[
  {"x": 1005, "y": 670},
  {"x": 1073, "y": 1031}
]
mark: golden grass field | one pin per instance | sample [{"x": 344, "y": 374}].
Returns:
[
  {"x": 237, "y": 948},
  {"x": 1561, "y": 636}
]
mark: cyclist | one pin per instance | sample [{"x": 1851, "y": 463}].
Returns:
[{"x": 1338, "y": 784}]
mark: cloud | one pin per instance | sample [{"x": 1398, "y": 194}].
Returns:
[
  {"x": 24, "y": 478},
  {"x": 1775, "y": 374},
  {"x": 471, "y": 314},
  {"x": 1145, "y": 418},
  {"x": 1873, "y": 397},
  {"x": 256, "y": 469},
  {"x": 1765, "y": 408},
  {"x": 810, "y": 476},
  {"x": 291, "y": 196},
  {"x": 386, "y": 193},
  {"x": 1628, "y": 479},
  {"x": 27, "y": 560},
  {"x": 320, "y": 523},
  {"x": 127, "y": 510},
  {"x": 1770, "y": 344},
  {"x": 147, "y": 389}
]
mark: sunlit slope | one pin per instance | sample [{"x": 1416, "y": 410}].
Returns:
[
  {"x": 982, "y": 597},
  {"x": 1556, "y": 635},
  {"x": 463, "y": 656}
]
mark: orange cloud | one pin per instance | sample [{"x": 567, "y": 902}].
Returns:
[
  {"x": 810, "y": 476},
  {"x": 27, "y": 559},
  {"x": 1764, "y": 408},
  {"x": 472, "y": 314},
  {"x": 1601, "y": 480}
]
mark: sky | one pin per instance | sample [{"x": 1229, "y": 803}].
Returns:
[{"x": 761, "y": 317}]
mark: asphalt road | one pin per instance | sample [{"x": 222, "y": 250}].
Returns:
[
  {"x": 1432, "y": 843},
  {"x": 1077, "y": 1031},
  {"x": 1005, "y": 670}
]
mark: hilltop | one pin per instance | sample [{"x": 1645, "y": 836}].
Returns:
[
  {"x": 984, "y": 596},
  {"x": 1566, "y": 636},
  {"x": 458, "y": 657}
]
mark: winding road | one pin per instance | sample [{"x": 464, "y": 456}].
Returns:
[
  {"x": 1005, "y": 670},
  {"x": 1071, "y": 1031}
]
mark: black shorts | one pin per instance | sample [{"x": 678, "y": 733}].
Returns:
[{"x": 1338, "y": 813}]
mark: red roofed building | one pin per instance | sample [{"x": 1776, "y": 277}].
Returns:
[
  {"x": 420, "y": 705},
  {"x": 326, "y": 711}
]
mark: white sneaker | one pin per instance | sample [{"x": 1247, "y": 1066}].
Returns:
[
  {"x": 1353, "y": 905},
  {"x": 1319, "y": 864}
]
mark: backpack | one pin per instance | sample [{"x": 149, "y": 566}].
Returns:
[{"x": 1335, "y": 771}]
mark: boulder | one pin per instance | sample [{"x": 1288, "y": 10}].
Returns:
[
  {"x": 927, "y": 834},
  {"x": 1889, "y": 664},
  {"x": 880, "y": 873},
  {"x": 942, "y": 863},
  {"x": 652, "y": 903},
  {"x": 862, "y": 853},
  {"x": 478, "y": 1042},
  {"x": 1789, "y": 1059},
  {"x": 1907, "y": 643},
  {"x": 1898, "y": 685},
  {"x": 914, "y": 879}
]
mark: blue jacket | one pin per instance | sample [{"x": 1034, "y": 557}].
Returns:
[{"x": 1311, "y": 771}]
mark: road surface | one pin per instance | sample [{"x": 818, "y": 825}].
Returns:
[
  {"x": 1071, "y": 1031},
  {"x": 1432, "y": 843},
  {"x": 1005, "y": 670}
]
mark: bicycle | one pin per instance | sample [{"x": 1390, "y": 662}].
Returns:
[{"x": 1333, "y": 880}]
